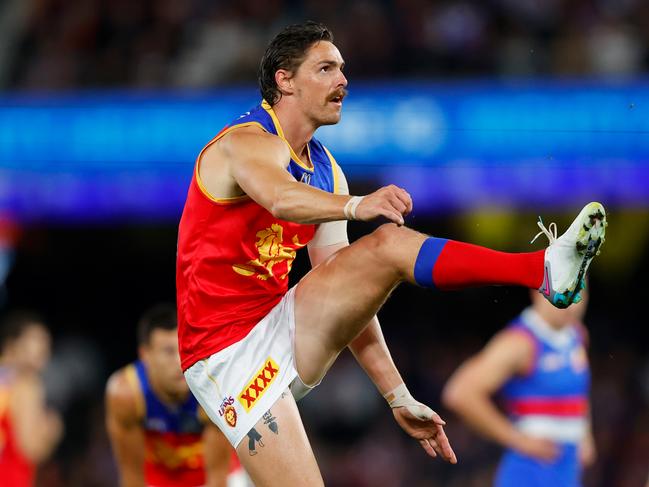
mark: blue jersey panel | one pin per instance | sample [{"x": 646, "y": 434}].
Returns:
[
  {"x": 516, "y": 470},
  {"x": 320, "y": 175},
  {"x": 557, "y": 372},
  {"x": 164, "y": 418}
]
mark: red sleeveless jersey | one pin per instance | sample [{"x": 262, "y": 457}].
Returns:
[
  {"x": 15, "y": 469},
  {"x": 234, "y": 256}
]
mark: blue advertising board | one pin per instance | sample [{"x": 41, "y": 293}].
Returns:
[{"x": 116, "y": 155}]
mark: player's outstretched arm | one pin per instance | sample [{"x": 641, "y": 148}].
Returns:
[
  {"x": 125, "y": 430},
  {"x": 255, "y": 165},
  {"x": 415, "y": 418},
  {"x": 469, "y": 390},
  {"x": 218, "y": 453},
  {"x": 587, "y": 447}
]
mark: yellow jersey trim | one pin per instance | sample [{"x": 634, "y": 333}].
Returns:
[
  {"x": 334, "y": 165},
  {"x": 309, "y": 167},
  {"x": 131, "y": 377},
  {"x": 201, "y": 186}
]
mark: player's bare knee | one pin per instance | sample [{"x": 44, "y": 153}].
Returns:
[{"x": 386, "y": 239}]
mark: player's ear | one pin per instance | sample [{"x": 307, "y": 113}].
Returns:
[
  {"x": 143, "y": 352},
  {"x": 284, "y": 81}
]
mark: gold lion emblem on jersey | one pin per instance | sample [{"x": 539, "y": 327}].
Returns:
[{"x": 272, "y": 251}]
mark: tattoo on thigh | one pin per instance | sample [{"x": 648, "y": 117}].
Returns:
[
  {"x": 254, "y": 437},
  {"x": 271, "y": 422}
]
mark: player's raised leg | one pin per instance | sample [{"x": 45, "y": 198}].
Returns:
[
  {"x": 276, "y": 451},
  {"x": 337, "y": 299}
]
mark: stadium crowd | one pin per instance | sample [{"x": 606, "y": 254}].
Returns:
[{"x": 66, "y": 44}]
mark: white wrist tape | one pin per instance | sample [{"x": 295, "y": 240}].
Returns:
[
  {"x": 401, "y": 397},
  {"x": 350, "y": 207}
]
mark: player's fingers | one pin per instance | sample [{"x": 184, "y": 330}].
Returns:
[
  {"x": 437, "y": 419},
  {"x": 444, "y": 451},
  {"x": 451, "y": 458},
  {"x": 392, "y": 215},
  {"x": 405, "y": 198},
  {"x": 428, "y": 448},
  {"x": 397, "y": 204},
  {"x": 437, "y": 448},
  {"x": 426, "y": 414},
  {"x": 399, "y": 198},
  {"x": 409, "y": 205},
  {"x": 445, "y": 445}
]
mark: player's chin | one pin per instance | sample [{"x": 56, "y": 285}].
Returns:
[{"x": 331, "y": 118}]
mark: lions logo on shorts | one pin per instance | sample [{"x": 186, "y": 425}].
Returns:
[
  {"x": 230, "y": 416},
  {"x": 227, "y": 411}
]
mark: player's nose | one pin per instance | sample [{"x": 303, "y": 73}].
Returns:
[{"x": 342, "y": 81}]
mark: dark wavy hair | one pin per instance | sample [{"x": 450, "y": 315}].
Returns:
[
  {"x": 15, "y": 323},
  {"x": 287, "y": 51},
  {"x": 161, "y": 316}
]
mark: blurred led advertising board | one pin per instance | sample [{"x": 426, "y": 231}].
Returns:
[{"x": 129, "y": 155}]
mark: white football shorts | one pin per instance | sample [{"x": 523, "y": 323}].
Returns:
[{"x": 238, "y": 384}]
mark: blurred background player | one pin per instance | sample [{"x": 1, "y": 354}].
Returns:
[
  {"x": 29, "y": 429},
  {"x": 538, "y": 366},
  {"x": 159, "y": 433}
]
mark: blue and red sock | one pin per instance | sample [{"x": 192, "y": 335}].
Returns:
[{"x": 447, "y": 264}]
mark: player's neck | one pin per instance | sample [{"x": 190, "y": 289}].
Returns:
[
  {"x": 298, "y": 129},
  {"x": 9, "y": 361},
  {"x": 553, "y": 324},
  {"x": 166, "y": 396}
]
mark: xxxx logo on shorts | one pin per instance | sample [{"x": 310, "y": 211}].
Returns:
[{"x": 259, "y": 384}]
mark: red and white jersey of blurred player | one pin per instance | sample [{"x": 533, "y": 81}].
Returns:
[{"x": 15, "y": 469}]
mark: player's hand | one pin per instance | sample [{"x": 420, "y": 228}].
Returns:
[
  {"x": 538, "y": 448},
  {"x": 587, "y": 451},
  {"x": 390, "y": 202},
  {"x": 54, "y": 425},
  {"x": 425, "y": 425}
]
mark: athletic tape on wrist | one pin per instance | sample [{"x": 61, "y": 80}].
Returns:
[
  {"x": 400, "y": 397},
  {"x": 350, "y": 207}
]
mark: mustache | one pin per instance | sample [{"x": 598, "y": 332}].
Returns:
[{"x": 339, "y": 93}]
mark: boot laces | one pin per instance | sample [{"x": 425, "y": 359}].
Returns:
[{"x": 550, "y": 231}]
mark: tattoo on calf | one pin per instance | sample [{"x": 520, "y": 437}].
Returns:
[
  {"x": 254, "y": 436},
  {"x": 270, "y": 421}
]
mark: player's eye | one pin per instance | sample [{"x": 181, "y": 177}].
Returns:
[{"x": 324, "y": 68}]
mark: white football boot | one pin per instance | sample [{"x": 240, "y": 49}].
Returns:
[{"x": 567, "y": 258}]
